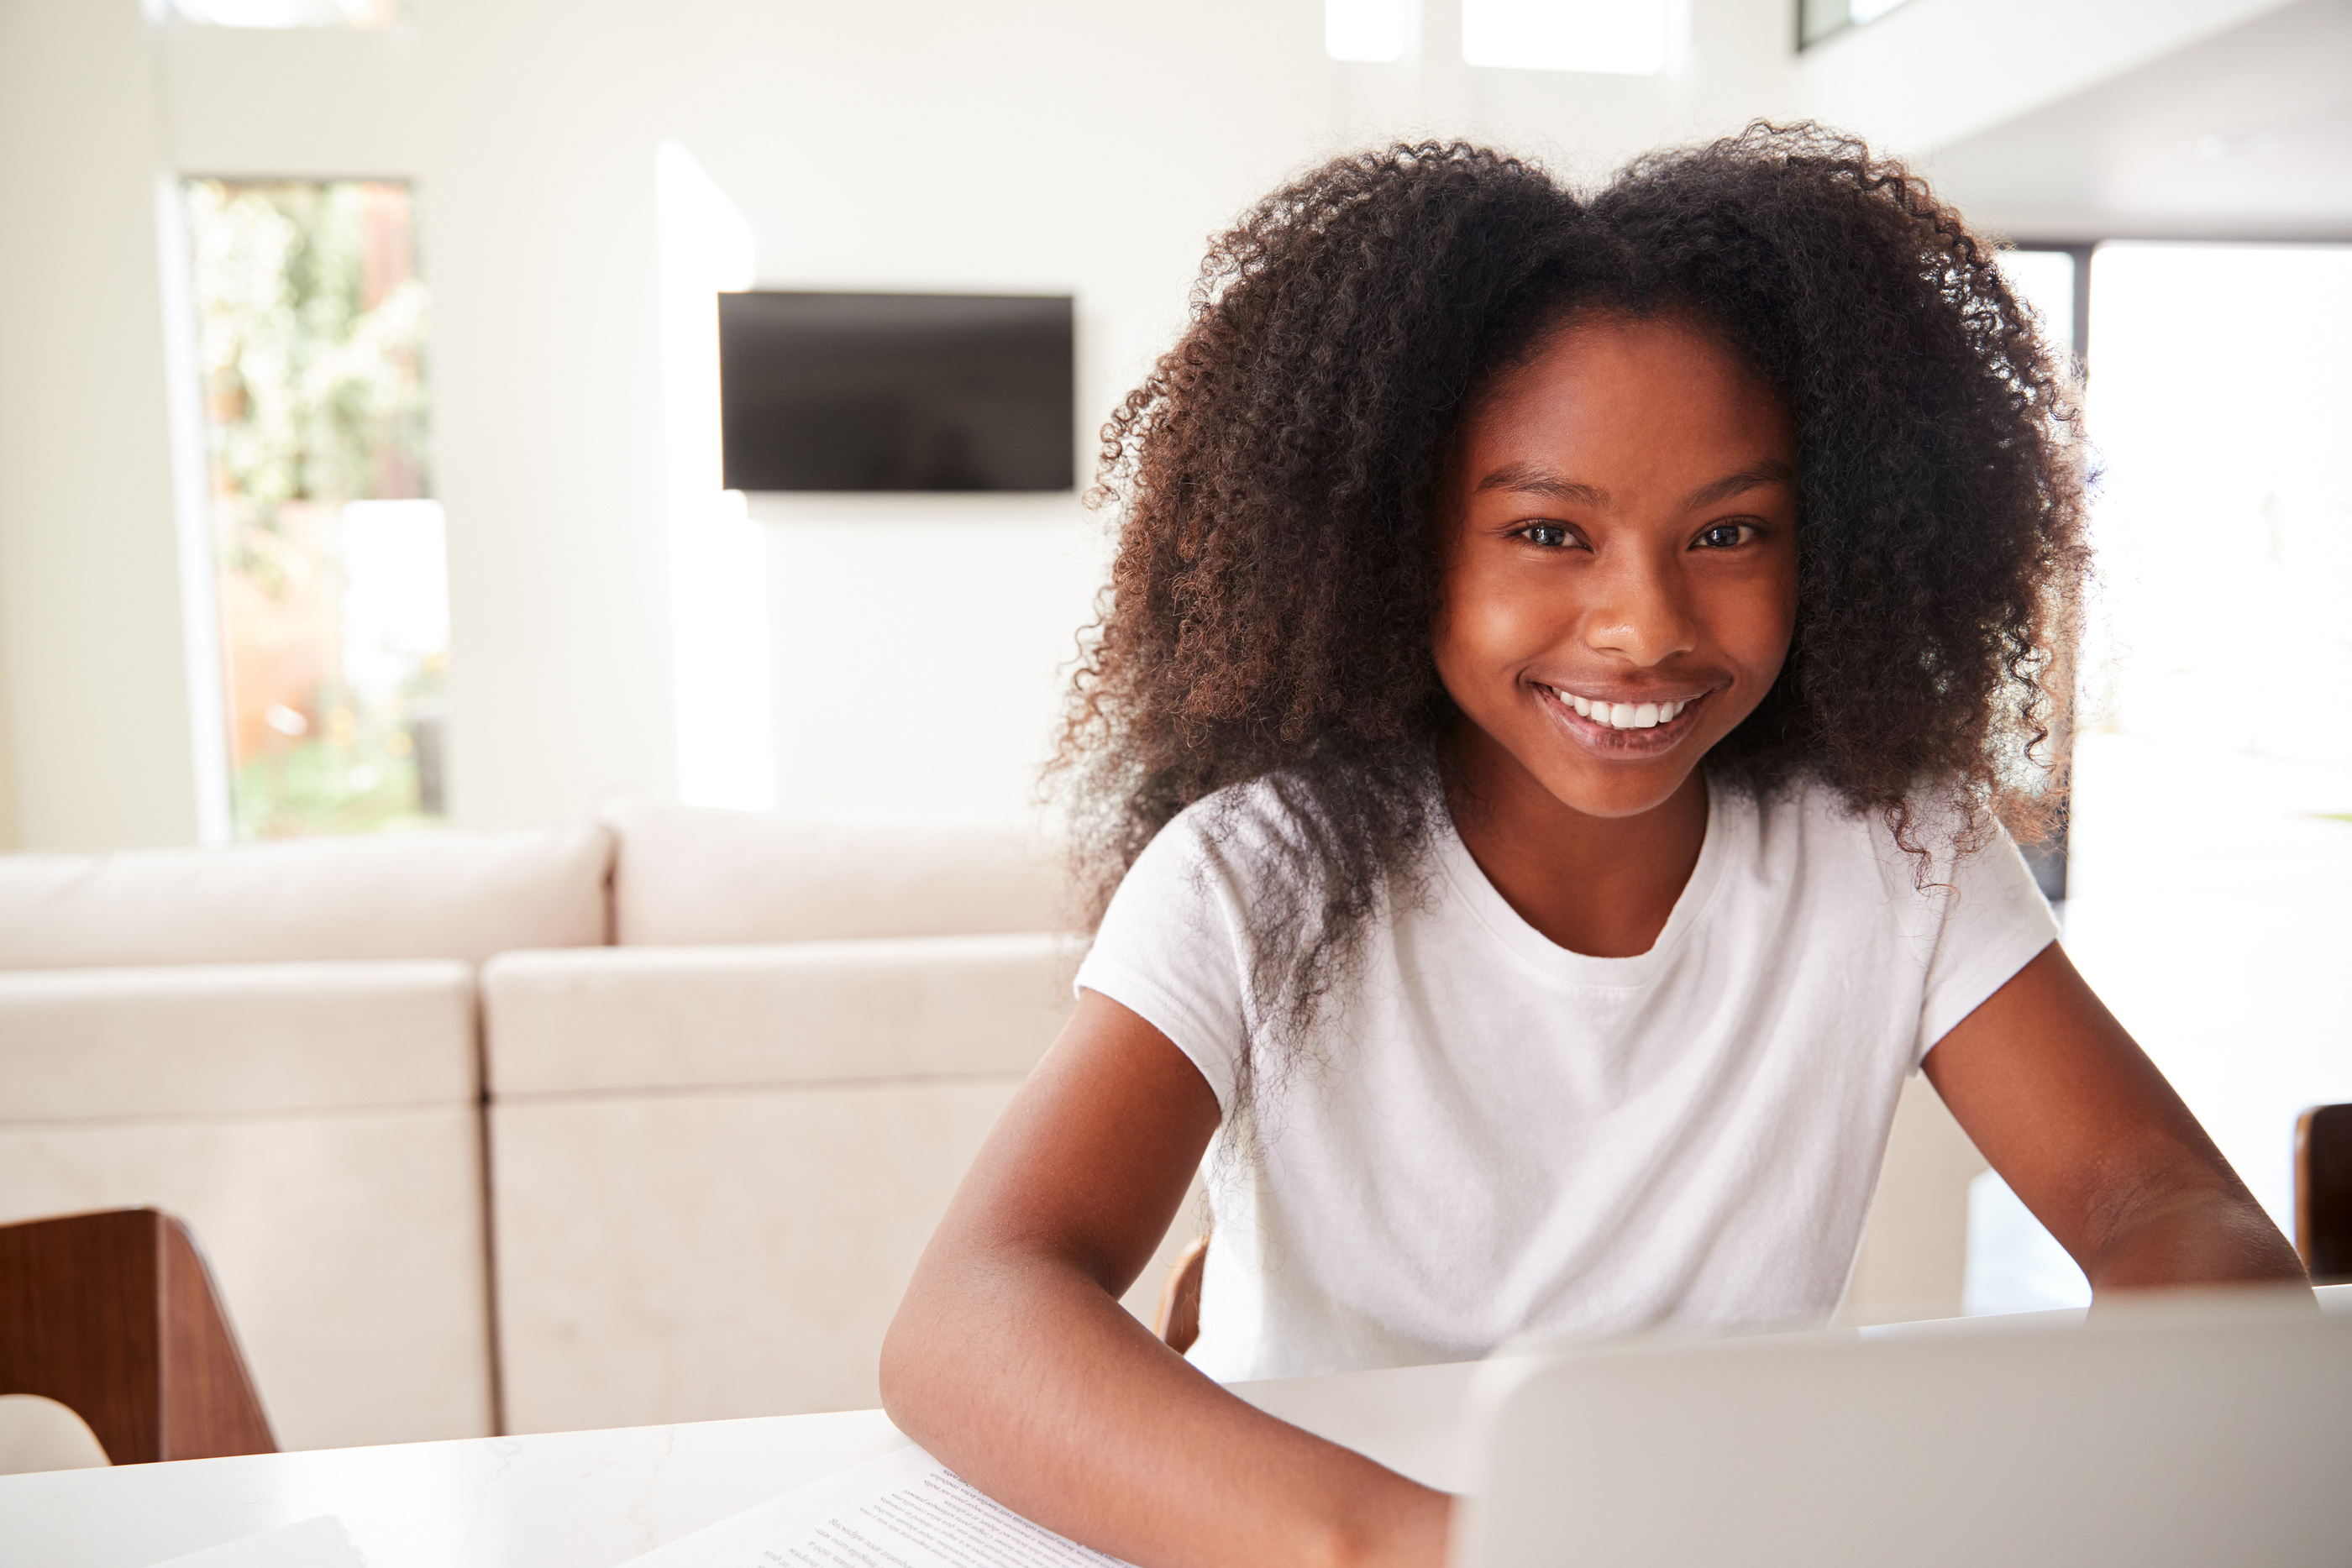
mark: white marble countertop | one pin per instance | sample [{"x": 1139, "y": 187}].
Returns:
[{"x": 585, "y": 1499}]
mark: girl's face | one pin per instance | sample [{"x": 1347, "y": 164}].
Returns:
[{"x": 1620, "y": 573}]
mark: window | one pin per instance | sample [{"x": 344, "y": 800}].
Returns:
[
  {"x": 2216, "y": 757},
  {"x": 2052, "y": 279},
  {"x": 328, "y": 553},
  {"x": 1820, "y": 19},
  {"x": 2211, "y": 815},
  {"x": 289, "y": 13},
  {"x": 1619, "y": 37},
  {"x": 2219, "y": 408}
]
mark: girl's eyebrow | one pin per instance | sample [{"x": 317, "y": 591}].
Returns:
[
  {"x": 1771, "y": 471},
  {"x": 1536, "y": 480},
  {"x": 1533, "y": 479}
]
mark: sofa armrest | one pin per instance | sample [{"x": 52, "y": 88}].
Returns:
[
  {"x": 234, "y": 1038},
  {"x": 588, "y": 1020}
]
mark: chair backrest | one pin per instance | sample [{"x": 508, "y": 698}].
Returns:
[
  {"x": 2323, "y": 1193},
  {"x": 114, "y": 1316}
]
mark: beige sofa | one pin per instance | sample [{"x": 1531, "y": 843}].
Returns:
[
  {"x": 703, "y": 1161},
  {"x": 279, "y": 1043},
  {"x": 717, "y": 1147},
  {"x": 645, "y": 1120}
]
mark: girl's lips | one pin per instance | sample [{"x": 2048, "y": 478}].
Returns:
[{"x": 1608, "y": 740}]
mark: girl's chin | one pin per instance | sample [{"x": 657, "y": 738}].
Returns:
[
  {"x": 1620, "y": 798},
  {"x": 1589, "y": 768},
  {"x": 1615, "y": 774}
]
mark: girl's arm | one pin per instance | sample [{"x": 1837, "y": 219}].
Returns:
[
  {"x": 1011, "y": 1360},
  {"x": 2088, "y": 1133}
]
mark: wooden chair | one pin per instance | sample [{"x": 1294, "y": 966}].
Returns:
[
  {"x": 1177, "y": 1321},
  {"x": 114, "y": 1316},
  {"x": 2323, "y": 1193}
]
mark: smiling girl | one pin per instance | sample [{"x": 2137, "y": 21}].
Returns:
[{"x": 1565, "y": 666}]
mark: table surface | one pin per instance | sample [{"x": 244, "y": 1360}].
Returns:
[{"x": 587, "y": 1500}]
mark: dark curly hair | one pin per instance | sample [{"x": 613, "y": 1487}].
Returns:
[{"x": 1275, "y": 479}]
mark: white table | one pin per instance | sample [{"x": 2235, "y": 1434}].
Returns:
[
  {"x": 589, "y": 1500},
  {"x": 586, "y": 1500}
]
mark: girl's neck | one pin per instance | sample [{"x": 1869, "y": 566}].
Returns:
[{"x": 1601, "y": 887}]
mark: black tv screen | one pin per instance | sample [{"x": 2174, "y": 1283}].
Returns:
[{"x": 896, "y": 392}]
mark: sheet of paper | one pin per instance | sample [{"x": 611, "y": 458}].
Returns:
[
  {"x": 320, "y": 1542},
  {"x": 904, "y": 1510}
]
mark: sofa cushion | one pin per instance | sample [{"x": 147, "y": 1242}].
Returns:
[
  {"x": 699, "y": 1255},
  {"x": 696, "y": 1257},
  {"x": 214, "y": 1039},
  {"x": 439, "y": 893},
  {"x": 599, "y": 1019},
  {"x": 687, "y": 875}
]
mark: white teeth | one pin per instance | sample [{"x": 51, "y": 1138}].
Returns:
[{"x": 1624, "y": 716}]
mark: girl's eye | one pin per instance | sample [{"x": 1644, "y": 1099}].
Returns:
[
  {"x": 1550, "y": 536},
  {"x": 1724, "y": 536}
]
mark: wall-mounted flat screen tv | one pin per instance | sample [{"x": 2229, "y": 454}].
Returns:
[{"x": 896, "y": 392}]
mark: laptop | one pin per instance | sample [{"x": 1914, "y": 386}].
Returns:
[{"x": 2199, "y": 1431}]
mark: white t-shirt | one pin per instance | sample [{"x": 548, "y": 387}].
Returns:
[{"x": 1501, "y": 1138}]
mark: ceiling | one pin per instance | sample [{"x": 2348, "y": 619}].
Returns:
[{"x": 2247, "y": 135}]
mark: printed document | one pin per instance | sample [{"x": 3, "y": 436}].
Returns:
[{"x": 905, "y": 1510}]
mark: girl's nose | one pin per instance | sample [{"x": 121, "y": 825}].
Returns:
[{"x": 1640, "y": 612}]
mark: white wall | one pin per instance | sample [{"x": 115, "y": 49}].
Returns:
[
  {"x": 90, "y": 594},
  {"x": 919, "y": 644},
  {"x": 9, "y": 835},
  {"x": 929, "y": 144}
]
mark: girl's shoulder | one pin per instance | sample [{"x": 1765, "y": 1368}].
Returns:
[
  {"x": 1276, "y": 842},
  {"x": 1238, "y": 839},
  {"x": 1940, "y": 839}
]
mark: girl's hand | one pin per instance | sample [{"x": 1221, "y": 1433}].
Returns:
[{"x": 2088, "y": 1133}]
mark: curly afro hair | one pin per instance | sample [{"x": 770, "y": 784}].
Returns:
[{"x": 1276, "y": 478}]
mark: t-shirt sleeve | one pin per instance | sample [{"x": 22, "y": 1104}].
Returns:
[
  {"x": 1995, "y": 921},
  {"x": 1170, "y": 950}
]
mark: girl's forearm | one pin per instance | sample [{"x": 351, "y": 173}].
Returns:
[
  {"x": 1023, "y": 1374},
  {"x": 2200, "y": 1237}
]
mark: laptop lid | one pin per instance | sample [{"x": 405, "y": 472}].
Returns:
[{"x": 2198, "y": 1433}]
